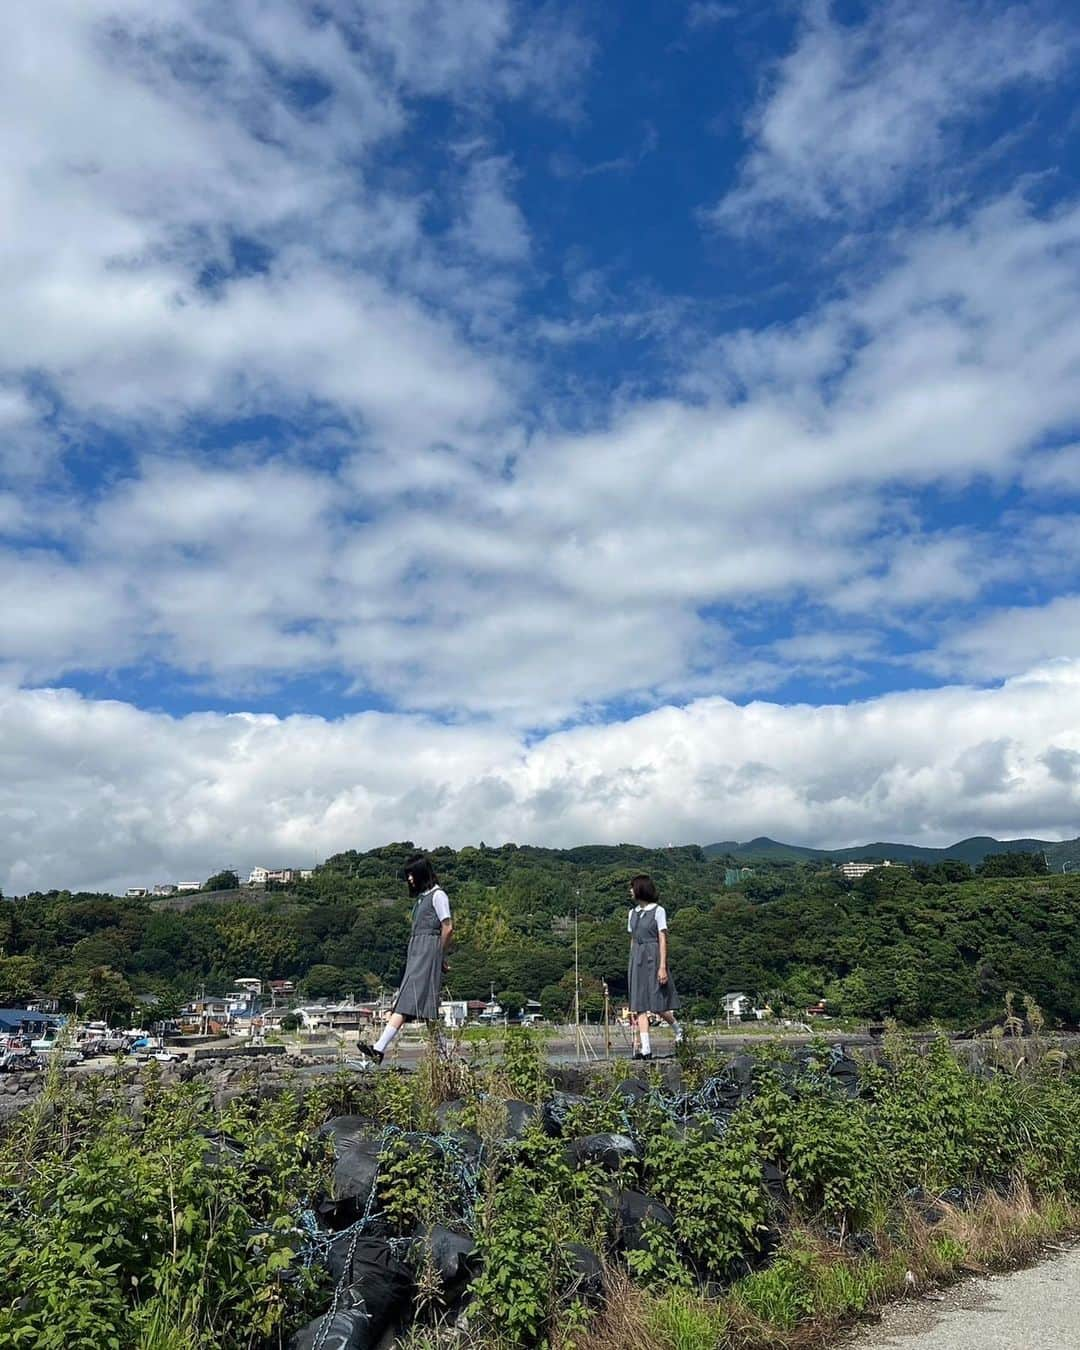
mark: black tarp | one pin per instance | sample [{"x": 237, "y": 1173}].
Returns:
[
  {"x": 610, "y": 1151},
  {"x": 453, "y": 1254},
  {"x": 586, "y": 1274},
  {"x": 349, "y": 1329},
  {"x": 379, "y": 1282},
  {"x": 633, "y": 1089},
  {"x": 347, "y": 1131},
  {"x": 632, "y": 1210},
  {"x": 555, "y": 1110},
  {"x": 519, "y": 1116}
]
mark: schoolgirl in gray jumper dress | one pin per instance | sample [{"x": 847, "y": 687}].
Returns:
[
  {"x": 651, "y": 988},
  {"x": 418, "y": 995}
]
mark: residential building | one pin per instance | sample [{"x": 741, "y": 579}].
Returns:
[
  {"x": 335, "y": 1017},
  {"x": 282, "y": 876},
  {"x": 43, "y": 1003},
  {"x": 184, "y": 886},
  {"x": 454, "y": 1013},
  {"x": 136, "y": 892},
  {"x": 19, "y": 1021},
  {"x": 852, "y": 871},
  {"x": 165, "y": 888},
  {"x": 737, "y": 1005},
  {"x": 250, "y": 984}
]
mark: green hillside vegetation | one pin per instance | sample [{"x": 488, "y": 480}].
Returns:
[
  {"x": 932, "y": 942},
  {"x": 752, "y": 1207}
]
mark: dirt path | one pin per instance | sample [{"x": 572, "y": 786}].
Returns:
[{"x": 1035, "y": 1309}]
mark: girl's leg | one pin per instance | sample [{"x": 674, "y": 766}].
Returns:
[
  {"x": 643, "y": 1033},
  {"x": 393, "y": 1026},
  {"x": 673, "y": 1023}
]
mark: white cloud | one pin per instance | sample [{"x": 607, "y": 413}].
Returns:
[
  {"x": 855, "y": 108},
  {"x": 1012, "y": 638},
  {"x": 705, "y": 13},
  {"x": 492, "y": 225},
  {"x": 1055, "y": 473},
  {"x": 101, "y": 794},
  {"x": 171, "y": 138},
  {"x": 538, "y": 575}
]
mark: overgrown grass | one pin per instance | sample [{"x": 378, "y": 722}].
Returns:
[{"x": 786, "y": 1215}]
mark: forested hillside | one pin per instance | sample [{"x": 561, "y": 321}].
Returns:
[{"x": 915, "y": 944}]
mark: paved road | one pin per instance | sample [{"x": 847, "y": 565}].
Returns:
[{"x": 1035, "y": 1309}]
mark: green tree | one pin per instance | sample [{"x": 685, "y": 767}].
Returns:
[
  {"x": 226, "y": 880},
  {"x": 20, "y": 979},
  {"x": 107, "y": 995},
  {"x": 554, "y": 1001},
  {"x": 324, "y": 982},
  {"x": 1013, "y": 865},
  {"x": 511, "y": 1001}
]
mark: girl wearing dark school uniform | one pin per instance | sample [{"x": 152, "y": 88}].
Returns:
[
  {"x": 418, "y": 997},
  {"x": 652, "y": 990}
]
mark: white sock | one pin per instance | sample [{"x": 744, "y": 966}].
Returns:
[
  {"x": 677, "y": 1030},
  {"x": 386, "y": 1038},
  {"x": 646, "y": 1045}
]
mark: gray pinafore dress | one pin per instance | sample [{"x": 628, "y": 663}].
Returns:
[
  {"x": 421, "y": 984},
  {"x": 647, "y": 994}
]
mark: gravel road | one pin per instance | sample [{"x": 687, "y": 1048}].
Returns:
[{"x": 1035, "y": 1309}]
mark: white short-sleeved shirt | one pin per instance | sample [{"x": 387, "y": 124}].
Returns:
[
  {"x": 441, "y": 902},
  {"x": 661, "y": 917}
]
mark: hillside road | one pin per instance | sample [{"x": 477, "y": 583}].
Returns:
[{"x": 1033, "y": 1309}]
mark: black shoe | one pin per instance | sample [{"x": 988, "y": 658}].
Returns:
[
  {"x": 362, "y": 1048},
  {"x": 643, "y": 1054}
]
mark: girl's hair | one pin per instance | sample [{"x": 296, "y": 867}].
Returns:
[
  {"x": 420, "y": 875},
  {"x": 644, "y": 889}
]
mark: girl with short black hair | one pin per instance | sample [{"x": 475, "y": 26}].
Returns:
[
  {"x": 425, "y": 964},
  {"x": 651, "y": 988}
]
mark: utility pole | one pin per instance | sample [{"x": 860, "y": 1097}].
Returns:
[
  {"x": 577, "y": 990},
  {"x": 607, "y": 1021}
]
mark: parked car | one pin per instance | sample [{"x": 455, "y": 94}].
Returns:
[
  {"x": 19, "y": 1061},
  {"x": 166, "y": 1056}
]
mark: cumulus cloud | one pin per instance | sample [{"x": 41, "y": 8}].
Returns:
[
  {"x": 855, "y": 108},
  {"x": 102, "y": 794},
  {"x": 1011, "y": 638},
  {"x": 534, "y": 576},
  {"x": 193, "y": 222}
]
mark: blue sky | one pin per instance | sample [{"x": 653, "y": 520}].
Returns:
[{"x": 608, "y": 394}]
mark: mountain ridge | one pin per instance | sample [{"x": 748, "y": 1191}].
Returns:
[{"x": 972, "y": 850}]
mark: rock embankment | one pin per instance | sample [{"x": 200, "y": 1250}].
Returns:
[{"x": 239, "y": 1075}]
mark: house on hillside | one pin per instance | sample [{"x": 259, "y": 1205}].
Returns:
[
  {"x": 283, "y": 876},
  {"x": 737, "y": 1005},
  {"x": 852, "y": 871},
  {"x": 43, "y": 1003}
]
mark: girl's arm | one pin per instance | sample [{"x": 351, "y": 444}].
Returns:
[{"x": 661, "y": 974}]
